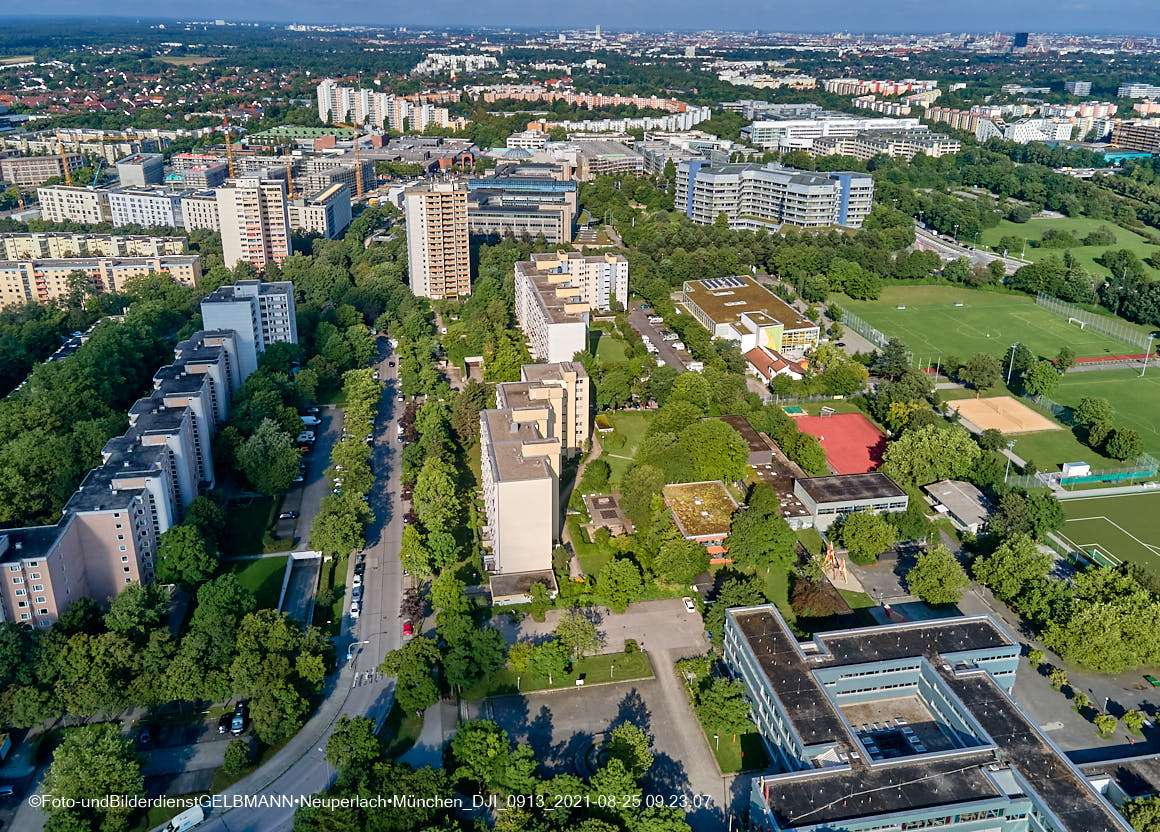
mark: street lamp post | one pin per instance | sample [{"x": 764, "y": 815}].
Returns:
[
  {"x": 1010, "y": 450},
  {"x": 956, "y": 232},
  {"x": 611, "y": 670},
  {"x": 1011, "y": 365},
  {"x": 717, "y": 742},
  {"x": 1147, "y": 353}
]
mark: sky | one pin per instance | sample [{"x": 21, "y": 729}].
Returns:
[{"x": 1127, "y": 16}]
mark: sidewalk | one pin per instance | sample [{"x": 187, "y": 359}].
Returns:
[{"x": 428, "y": 748}]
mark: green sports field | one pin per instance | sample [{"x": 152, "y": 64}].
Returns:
[
  {"x": 1120, "y": 528},
  {"x": 1135, "y": 399},
  {"x": 1080, "y": 227},
  {"x": 931, "y": 325}
]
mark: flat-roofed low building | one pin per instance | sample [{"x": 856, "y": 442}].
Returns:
[
  {"x": 141, "y": 169},
  {"x": 44, "y": 281},
  {"x": 27, "y": 171},
  {"x": 489, "y": 214},
  {"x": 901, "y": 726},
  {"x": 967, "y": 506},
  {"x": 52, "y": 245},
  {"x": 702, "y": 511},
  {"x": 601, "y": 157},
  {"x": 740, "y": 309},
  {"x": 829, "y": 499},
  {"x": 326, "y": 213}
]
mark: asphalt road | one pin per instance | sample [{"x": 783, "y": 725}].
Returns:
[
  {"x": 949, "y": 250},
  {"x": 307, "y": 497},
  {"x": 639, "y": 319}
]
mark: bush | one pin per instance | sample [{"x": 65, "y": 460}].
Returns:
[
  {"x": 237, "y": 757},
  {"x": 630, "y": 646}
]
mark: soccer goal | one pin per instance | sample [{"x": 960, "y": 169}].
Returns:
[{"x": 1082, "y": 323}]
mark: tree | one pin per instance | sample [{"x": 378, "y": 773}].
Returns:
[
  {"x": 413, "y": 553},
  {"x": 679, "y": 561},
  {"x": 937, "y": 577},
  {"x": 354, "y": 744},
  {"x": 640, "y": 485},
  {"x": 436, "y": 500},
  {"x": 1058, "y": 678},
  {"x": 1143, "y": 813},
  {"x": 894, "y": 360},
  {"x": 723, "y": 707},
  {"x": 760, "y": 538},
  {"x": 268, "y": 459},
  {"x": 1065, "y": 360},
  {"x": 184, "y": 556},
  {"x": 1123, "y": 443},
  {"x": 981, "y": 371},
  {"x": 1106, "y": 724},
  {"x": 548, "y": 660},
  {"x": 484, "y": 754},
  {"x": 1011, "y": 516},
  {"x": 629, "y": 744},
  {"x": 931, "y": 453},
  {"x": 1041, "y": 378},
  {"x": 448, "y": 594},
  {"x": 1133, "y": 721},
  {"x": 207, "y": 517},
  {"x": 412, "y": 665},
  {"x": 735, "y": 592},
  {"x": 619, "y": 583},
  {"x": 519, "y": 656},
  {"x": 865, "y": 535},
  {"x": 1035, "y": 657},
  {"x": 577, "y": 634},
  {"x": 717, "y": 450},
  {"x": 93, "y": 761},
  {"x": 338, "y": 527},
  {"x": 1093, "y": 409},
  {"x": 237, "y": 757},
  {"x": 1016, "y": 563}
]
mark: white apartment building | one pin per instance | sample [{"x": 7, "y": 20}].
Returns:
[
  {"x": 260, "y": 313},
  {"x": 200, "y": 210},
  {"x": 904, "y": 143},
  {"x": 326, "y": 213},
  {"x": 554, "y": 294},
  {"x": 255, "y": 221},
  {"x": 1138, "y": 90},
  {"x": 68, "y": 203},
  {"x": 756, "y": 196},
  {"x": 147, "y": 207},
  {"x": 438, "y": 256},
  {"x": 50, "y": 245},
  {"x": 356, "y": 105},
  {"x": 536, "y": 419},
  {"x": 799, "y": 133},
  {"x": 528, "y": 140}
]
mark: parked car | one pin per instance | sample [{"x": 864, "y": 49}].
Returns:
[
  {"x": 390, "y": 363},
  {"x": 360, "y": 568},
  {"x": 224, "y": 722},
  {"x": 355, "y": 609},
  {"x": 400, "y": 398},
  {"x": 377, "y": 376},
  {"x": 408, "y": 629},
  {"x": 357, "y": 581},
  {"x": 689, "y": 605},
  {"x": 311, "y": 420},
  {"x": 362, "y": 558},
  {"x": 288, "y": 515},
  {"x": 656, "y": 319},
  {"x": 299, "y": 478},
  {"x": 238, "y": 722},
  {"x": 356, "y": 593}
]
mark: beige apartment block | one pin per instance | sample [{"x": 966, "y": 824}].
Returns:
[
  {"x": 255, "y": 222},
  {"x": 45, "y": 281},
  {"x": 54, "y": 245},
  {"x": 65, "y": 203},
  {"x": 26, "y": 171},
  {"x": 438, "y": 256},
  {"x": 567, "y": 390}
]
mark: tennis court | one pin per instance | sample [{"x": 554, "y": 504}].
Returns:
[
  {"x": 1122, "y": 527},
  {"x": 851, "y": 442},
  {"x": 1003, "y": 413}
]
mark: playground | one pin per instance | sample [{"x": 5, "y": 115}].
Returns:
[
  {"x": 945, "y": 321},
  {"x": 1115, "y": 529},
  {"x": 852, "y": 444},
  {"x": 1002, "y": 413}
]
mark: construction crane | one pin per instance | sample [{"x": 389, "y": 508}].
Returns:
[
  {"x": 289, "y": 175},
  {"x": 357, "y": 167},
  {"x": 97, "y": 172},
  {"x": 229, "y": 146},
  {"x": 63, "y": 159}
]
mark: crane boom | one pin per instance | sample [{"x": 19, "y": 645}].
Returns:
[{"x": 357, "y": 165}]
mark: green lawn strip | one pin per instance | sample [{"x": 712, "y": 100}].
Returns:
[
  {"x": 609, "y": 667},
  {"x": 592, "y": 556},
  {"x": 1127, "y": 526},
  {"x": 1080, "y": 227},
  {"x": 1049, "y": 449},
  {"x": 263, "y": 577},
  {"x": 738, "y": 752},
  {"x": 988, "y": 321},
  {"x": 811, "y": 538},
  {"x": 608, "y": 348},
  {"x": 400, "y": 732},
  {"x": 246, "y": 524},
  {"x": 1134, "y": 398},
  {"x": 838, "y": 405}
]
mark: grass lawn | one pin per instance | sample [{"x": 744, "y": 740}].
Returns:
[
  {"x": 1080, "y": 227},
  {"x": 1134, "y": 398},
  {"x": 246, "y": 523},
  {"x": 332, "y": 612},
  {"x": 609, "y": 667},
  {"x": 811, "y": 538},
  {"x": 838, "y": 405},
  {"x": 606, "y": 346},
  {"x": 744, "y": 752},
  {"x": 592, "y": 556},
  {"x": 474, "y": 464},
  {"x": 620, "y": 445},
  {"x": 931, "y": 325},
  {"x": 1049, "y": 449},
  {"x": 263, "y": 577},
  {"x": 400, "y": 731},
  {"x": 1124, "y": 527}
]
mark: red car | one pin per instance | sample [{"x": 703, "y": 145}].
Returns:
[{"x": 408, "y": 629}]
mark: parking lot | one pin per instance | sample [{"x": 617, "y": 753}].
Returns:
[{"x": 638, "y": 317}]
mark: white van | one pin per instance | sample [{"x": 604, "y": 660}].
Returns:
[{"x": 186, "y": 820}]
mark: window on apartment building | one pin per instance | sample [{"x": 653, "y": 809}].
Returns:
[
  {"x": 34, "y": 576},
  {"x": 120, "y": 537},
  {"x": 21, "y": 604},
  {"x": 40, "y": 599},
  {"x": 123, "y": 548},
  {"x": 25, "y": 616},
  {"x": 128, "y": 580},
  {"x": 21, "y": 592},
  {"x": 42, "y": 611},
  {"x": 18, "y": 580},
  {"x": 124, "y": 568},
  {"x": 119, "y": 526},
  {"x": 124, "y": 559},
  {"x": 38, "y": 587},
  {"x": 32, "y": 564},
  {"x": 14, "y": 568}
]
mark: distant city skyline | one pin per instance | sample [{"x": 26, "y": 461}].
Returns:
[{"x": 1134, "y": 17}]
